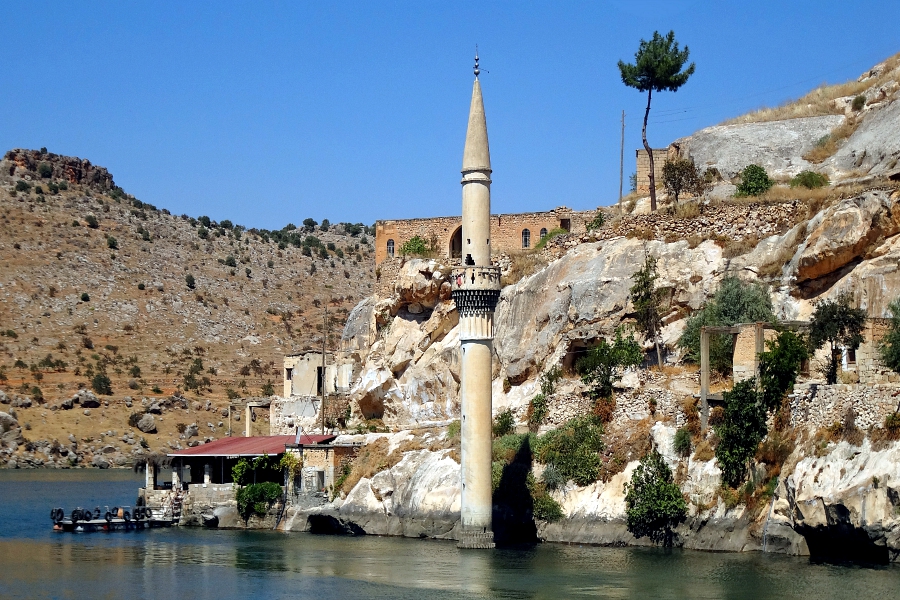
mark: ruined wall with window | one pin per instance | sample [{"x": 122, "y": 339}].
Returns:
[{"x": 443, "y": 235}]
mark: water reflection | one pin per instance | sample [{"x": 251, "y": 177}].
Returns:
[{"x": 234, "y": 564}]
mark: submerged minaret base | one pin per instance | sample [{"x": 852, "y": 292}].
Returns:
[{"x": 476, "y": 289}]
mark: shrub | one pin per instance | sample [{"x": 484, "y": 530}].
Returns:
[
  {"x": 85, "y": 297},
  {"x": 550, "y": 235},
  {"x": 101, "y": 384},
  {"x": 247, "y": 272},
  {"x": 597, "y": 222},
  {"x": 837, "y": 323},
  {"x": 323, "y": 253},
  {"x": 810, "y": 180},
  {"x": 889, "y": 348},
  {"x": 415, "y": 246},
  {"x": 453, "y": 429},
  {"x": 537, "y": 411},
  {"x": 680, "y": 175},
  {"x": 779, "y": 366},
  {"x": 682, "y": 443},
  {"x": 45, "y": 170},
  {"x": 573, "y": 449},
  {"x": 232, "y": 395},
  {"x": 858, "y": 103},
  {"x": 754, "y": 182},
  {"x": 504, "y": 423},
  {"x": 546, "y": 508},
  {"x": 156, "y": 389},
  {"x": 734, "y": 302},
  {"x": 743, "y": 429},
  {"x": 267, "y": 389},
  {"x": 92, "y": 221},
  {"x": 552, "y": 478},
  {"x": 256, "y": 498},
  {"x": 230, "y": 262},
  {"x": 190, "y": 281},
  {"x": 203, "y": 232},
  {"x": 653, "y": 503},
  {"x": 22, "y": 186},
  {"x": 141, "y": 286},
  {"x": 270, "y": 264},
  {"x": 599, "y": 366},
  {"x": 111, "y": 243}
]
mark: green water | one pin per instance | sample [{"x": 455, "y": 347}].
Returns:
[{"x": 192, "y": 563}]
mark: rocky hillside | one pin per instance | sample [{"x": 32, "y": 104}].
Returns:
[{"x": 94, "y": 281}]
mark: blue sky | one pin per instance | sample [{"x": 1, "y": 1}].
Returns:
[{"x": 267, "y": 113}]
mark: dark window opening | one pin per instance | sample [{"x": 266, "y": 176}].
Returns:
[
  {"x": 390, "y": 248},
  {"x": 526, "y": 238}
]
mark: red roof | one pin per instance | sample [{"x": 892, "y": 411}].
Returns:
[{"x": 250, "y": 446}]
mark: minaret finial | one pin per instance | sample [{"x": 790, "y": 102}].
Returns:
[{"x": 477, "y": 70}]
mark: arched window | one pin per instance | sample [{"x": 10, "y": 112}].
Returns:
[
  {"x": 390, "y": 248},
  {"x": 543, "y": 232},
  {"x": 526, "y": 238}
]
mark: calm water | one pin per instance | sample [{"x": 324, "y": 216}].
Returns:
[{"x": 190, "y": 563}]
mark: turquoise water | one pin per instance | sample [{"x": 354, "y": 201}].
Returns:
[{"x": 190, "y": 563}]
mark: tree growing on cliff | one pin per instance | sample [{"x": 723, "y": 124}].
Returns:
[
  {"x": 889, "y": 347},
  {"x": 604, "y": 361},
  {"x": 647, "y": 301},
  {"x": 657, "y": 67},
  {"x": 838, "y": 324},
  {"x": 779, "y": 366},
  {"x": 742, "y": 429},
  {"x": 734, "y": 302},
  {"x": 654, "y": 505}
]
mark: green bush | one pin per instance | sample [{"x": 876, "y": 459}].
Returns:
[
  {"x": 546, "y": 508},
  {"x": 22, "y": 186},
  {"x": 101, "y": 384},
  {"x": 742, "y": 429},
  {"x": 754, "y": 182},
  {"x": 810, "y": 180},
  {"x": 682, "y": 442},
  {"x": 779, "y": 366},
  {"x": 256, "y": 498},
  {"x": 653, "y": 503},
  {"x": 537, "y": 411},
  {"x": 552, "y": 478},
  {"x": 597, "y": 222},
  {"x": 45, "y": 170},
  {"x": 573, "y": 449},
  {"x": 504, "y": 423},
  {"x": 838, "y": 324},
  {"x": 603, "y": 362},
  {"x": 734, "y": 302},
  {"x": 889, "y": 347},
  {"x": 453, "y": 429},
  {"x": 85, "y": 297},
  {"x": 141, "y": 286},
  {"x": 190, "y": 281},
  {"x": 858, "y": 103},
  {"x": 550, "y": 235},
  {"x": 230, "y": 262},
  {"x": 111, "y": 243},
  {"x": 92, "y": 221},
  {"x": 203, "y": 232},
  {"x": 415, "y": 246}
]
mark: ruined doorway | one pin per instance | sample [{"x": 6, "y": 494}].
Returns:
[
  {"x": 320, "y": 380},
  {"x": 456, "y": 243},
  {"x": 565, "y": 224}
]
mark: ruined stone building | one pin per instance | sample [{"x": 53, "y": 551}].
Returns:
[{"x": 509, "y": 232}]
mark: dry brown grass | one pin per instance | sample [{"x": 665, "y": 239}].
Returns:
[
  {"x": 819, "y": 101},
  {"x": 774, "y": 268},
  {"x": 523, "y": 264},
  {"x": 829, "y": 144},
  {"x": 706, "y": 449},
  {"x": 370, "y": 459},
  {"x": 734, "y": 248},
  {"x": 625, "y": 445}
]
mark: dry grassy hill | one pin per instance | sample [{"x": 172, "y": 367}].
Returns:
[{"x": 94, "y": 281}]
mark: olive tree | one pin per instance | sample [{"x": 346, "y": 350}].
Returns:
[
  {"x": 657, "y": 67},
  {"x": 836, "y": 323}
]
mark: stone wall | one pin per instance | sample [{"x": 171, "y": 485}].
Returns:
[
  {"x": 506, "y": 231},
  {"x": 643, "y": 167},
  {"x": 816, "y": 406}
]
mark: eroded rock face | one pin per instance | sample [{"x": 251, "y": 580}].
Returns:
[
  {"x": 845, "y": 503},
  {"x": 845, "y": 233},
  {"x": 777, "y": 146},
  {"x": 875, "y": 145}
]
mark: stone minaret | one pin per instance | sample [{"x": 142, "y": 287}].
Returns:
[{"x": 476, "y": 288}]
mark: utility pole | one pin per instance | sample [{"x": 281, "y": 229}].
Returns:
[
  {"x": 621, "y": 160},
  {"x": 324, "y": 349}
]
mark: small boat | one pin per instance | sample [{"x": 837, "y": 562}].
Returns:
[{"x": 116, "y": 519}]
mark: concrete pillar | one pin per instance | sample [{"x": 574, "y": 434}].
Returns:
[
  {"x": 176, "y": 477},
  {"x": 207, "y": 474},
  {"x": 476, "y": 435},
  {"x": 150, "y": 477},
  {"x": 704, "y": 377},
  {"x": 247, "y": 421}
]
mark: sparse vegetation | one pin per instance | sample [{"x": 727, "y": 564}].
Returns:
[
  {"x": 605, "y": 361},
  {"x": 754, "y": 182},
  {"x": 810, "y": 180}
]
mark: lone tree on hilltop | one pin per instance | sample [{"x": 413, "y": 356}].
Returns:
[
  {"x": 838, "y": 324},
  {"x": 657, "y": 66},
  {"x": 646, "y": 300}
]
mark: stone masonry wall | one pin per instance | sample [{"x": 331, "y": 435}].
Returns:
[
  {"x": 506, "y": 230},
  {"x": 822, "y": 405},
  {"x": 643, "y": 167}
]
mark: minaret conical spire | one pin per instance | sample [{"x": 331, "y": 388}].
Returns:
[{"x": 477, "y": 154}]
